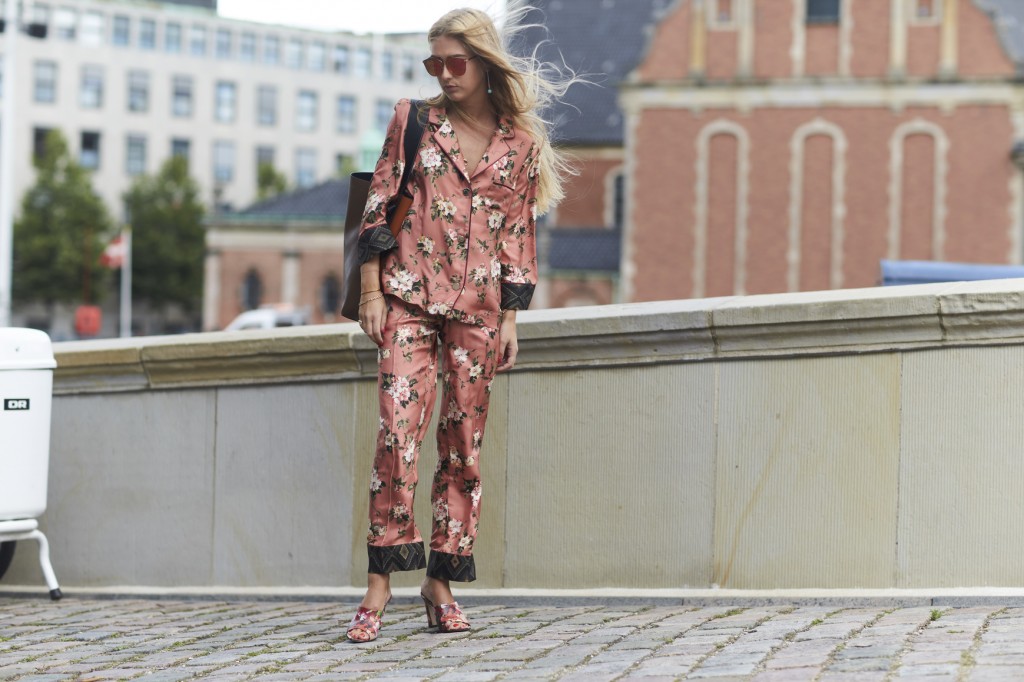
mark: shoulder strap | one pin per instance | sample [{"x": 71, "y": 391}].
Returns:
[{"x": 413, "y": 135}]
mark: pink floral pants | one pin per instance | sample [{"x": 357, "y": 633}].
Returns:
[{"x": 407, "y": 382}]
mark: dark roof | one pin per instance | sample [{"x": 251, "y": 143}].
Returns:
[
  {"x": 326, "y": 201},
  {"x": 1008, "y": 16},
  {"x": 584, "y": 249},
  {"x": 603, "y": 40}
]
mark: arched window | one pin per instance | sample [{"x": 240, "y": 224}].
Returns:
[
  {"x": 252, "y": 290},
  {"x": 330, "y": 295}
]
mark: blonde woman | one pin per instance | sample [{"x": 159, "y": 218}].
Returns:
[{"x": 447, "y": 290}]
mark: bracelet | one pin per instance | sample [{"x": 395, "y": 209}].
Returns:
[
  {"x": 371, "y": 291},
  {"x": 362, "y": 303}
]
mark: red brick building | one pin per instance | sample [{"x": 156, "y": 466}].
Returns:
[{"x": 788, "y": 145}]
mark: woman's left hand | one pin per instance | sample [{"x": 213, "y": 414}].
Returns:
[{"x": 508, "y": 344}]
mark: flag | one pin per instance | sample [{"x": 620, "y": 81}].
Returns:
[{"x": 113, "y": 256}]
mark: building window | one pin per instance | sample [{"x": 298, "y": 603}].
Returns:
[
  {"x": 305, "y": 114},
  {"x": 305, "y": 167},
  {"x": 343, "y": 165},
  {"x": 89, "y": 154},
  {"x": 317, "y": 57},
  {"x": 223, "y": 49},
  {"x": 387, "y": 66},
  {"x": 247, "y": 47},
  {"x": 135, "y": 159},
  {"x": 225, "y": 98},
  {"x": 147, "y": 34},
  {"x": 264, "y": 157},
  {"x": 122, "y": 31},
  {"x": 330, "y": 295},
  {"x": 925, "y": 11},
  {"x": 385, "y": 110},
  {"x": 172, "y": 38},
  {"x": 39, "y": 138},
  {"x": 65, "y": 23},
  {"x": 197, "y": 41},
  {"x": 346, "y": 122},
  {"x": 266, "y": 105},
  {"x": 823, "y": 11},
  {"x": 293, "y": 54},
  {"x": 41, "y": 14},
  {"x": 722, "y": 14},
  {"x": 45, "y": 77},
  {"x": 181, "y": 97},
  {"x": 181, "y": 147},
  {"x": 92, "y": 29},
  {"x": 272, "y": 50},
  {"x": 252, "y": 290},
  {"x": 223, "y": 161},
  {"x": 408, "y": 67},
  {"x": 341, "y": 59},
  {"x": 619, "y": 199},
  {"x": 363, "y": 61},
  {"x": 91, "y": 94},
  {"x": 138, "y": 91}
]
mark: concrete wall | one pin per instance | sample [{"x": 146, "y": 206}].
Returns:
[{"x": 853, "y": 438}]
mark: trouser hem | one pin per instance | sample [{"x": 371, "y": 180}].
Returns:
[
  {"x": 457, "y": 567},
  {"x": 392, "y": 558}
]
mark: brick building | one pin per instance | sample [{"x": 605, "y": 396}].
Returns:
[{"x": 787, "y": 145}]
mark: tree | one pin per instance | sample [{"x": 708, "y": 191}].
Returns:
[
  {"x": 168, "y": 240},
  {"x": 269, "y": 182},
  {"x": 61, "y": 233}
]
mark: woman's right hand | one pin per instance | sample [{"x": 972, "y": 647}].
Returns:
[{"x": 372, "y": 316}]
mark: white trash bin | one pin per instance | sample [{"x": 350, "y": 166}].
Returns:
[{"x": 26, "y": 391}]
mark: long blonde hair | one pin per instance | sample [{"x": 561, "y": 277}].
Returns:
[{"x": 523, "y": 87}]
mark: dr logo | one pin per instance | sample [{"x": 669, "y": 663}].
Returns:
[{"x": 15, "y": 404}]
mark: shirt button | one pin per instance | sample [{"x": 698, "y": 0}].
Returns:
[{"x": 465, "y": 192}]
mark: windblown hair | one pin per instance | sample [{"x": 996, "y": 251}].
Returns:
[{"x": 523, "y": 87}]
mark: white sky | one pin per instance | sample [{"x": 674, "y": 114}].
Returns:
[{"x": 360, "y": 16}]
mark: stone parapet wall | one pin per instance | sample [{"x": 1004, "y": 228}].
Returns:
[{"x": 850, "y": 438}]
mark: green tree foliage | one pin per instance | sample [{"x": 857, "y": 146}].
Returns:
[
  {"x": 269, "y": 182},
  {"x": 168, "y": 239},
  {"x": 61, "y": 233}
]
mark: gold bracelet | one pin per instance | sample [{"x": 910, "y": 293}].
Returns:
[
  {"x": 362, "y": 303},
  {"x": 371, "y": 291}
]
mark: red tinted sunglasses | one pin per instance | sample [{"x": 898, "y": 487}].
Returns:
[{"x": 456, "y": 65}]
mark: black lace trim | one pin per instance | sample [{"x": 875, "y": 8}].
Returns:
[
  {"x": 375, "y": 241},
  {"x": 461, "y": 569},
  {"x": 407, "y": 557},
  {"x": 516, "y": 296}
]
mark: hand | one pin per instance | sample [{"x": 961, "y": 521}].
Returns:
[
  {"x": 508, "y": 344},
  {"x": 372, "y": 316}
]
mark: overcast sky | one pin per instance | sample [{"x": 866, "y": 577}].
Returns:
[{"x": 360, "y": 16}]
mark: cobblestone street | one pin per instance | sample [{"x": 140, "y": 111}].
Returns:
[{"x": 172, "y": 639}]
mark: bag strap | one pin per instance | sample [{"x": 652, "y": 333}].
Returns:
[{"x": 413, "y": 135}]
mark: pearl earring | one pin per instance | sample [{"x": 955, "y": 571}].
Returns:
[{"x": 489, "y": 91}]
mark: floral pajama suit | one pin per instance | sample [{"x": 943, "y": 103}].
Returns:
[{"x": 465, "y": 253}]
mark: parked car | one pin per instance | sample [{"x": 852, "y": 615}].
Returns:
[{"x": 269, "y": 317}]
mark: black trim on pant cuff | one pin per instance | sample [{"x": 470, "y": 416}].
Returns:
[
  {"x": 408, "y": 557},
  {"x": 443, "y": 566}
]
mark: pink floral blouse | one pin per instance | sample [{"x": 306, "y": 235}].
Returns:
[{"x": 467, "y": 249}]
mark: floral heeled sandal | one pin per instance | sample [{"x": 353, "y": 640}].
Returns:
[
  {"x": 365, "y": 624},
  {"x": 445, "y": 617}
]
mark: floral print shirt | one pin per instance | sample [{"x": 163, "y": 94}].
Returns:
[{"x": 467, "y": 249}]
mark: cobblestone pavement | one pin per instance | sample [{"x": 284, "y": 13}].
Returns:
[{"x": 90, "y": 640}]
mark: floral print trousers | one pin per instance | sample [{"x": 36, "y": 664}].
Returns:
[{"x": 407, "y": 381}]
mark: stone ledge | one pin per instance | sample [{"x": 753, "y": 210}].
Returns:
[{"x": 890, "y": 319}]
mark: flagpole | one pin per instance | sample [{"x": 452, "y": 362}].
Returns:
[{"x": 126, "y": 283}]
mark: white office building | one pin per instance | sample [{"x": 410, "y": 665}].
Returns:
[{"x": 130, "y": 83}]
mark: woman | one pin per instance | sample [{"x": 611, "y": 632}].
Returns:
[{"x": 449, "y": 285}]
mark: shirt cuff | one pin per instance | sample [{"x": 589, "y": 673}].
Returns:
[
  {"x": 375, "y": 241},
  {"x": 516, "y": 296}
]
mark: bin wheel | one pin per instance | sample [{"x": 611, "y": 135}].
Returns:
[{"x": 6, "y": 555}]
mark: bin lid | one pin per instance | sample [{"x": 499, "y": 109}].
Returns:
[{"x": 25, "y": 349}]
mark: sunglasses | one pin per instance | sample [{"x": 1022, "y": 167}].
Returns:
[{"x": 456, "y": 65}]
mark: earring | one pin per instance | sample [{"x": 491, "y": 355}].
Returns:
[{"x": 489, "y": 91}]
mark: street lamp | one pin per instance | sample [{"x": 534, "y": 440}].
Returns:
[{"x": 10, "y": 27}]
